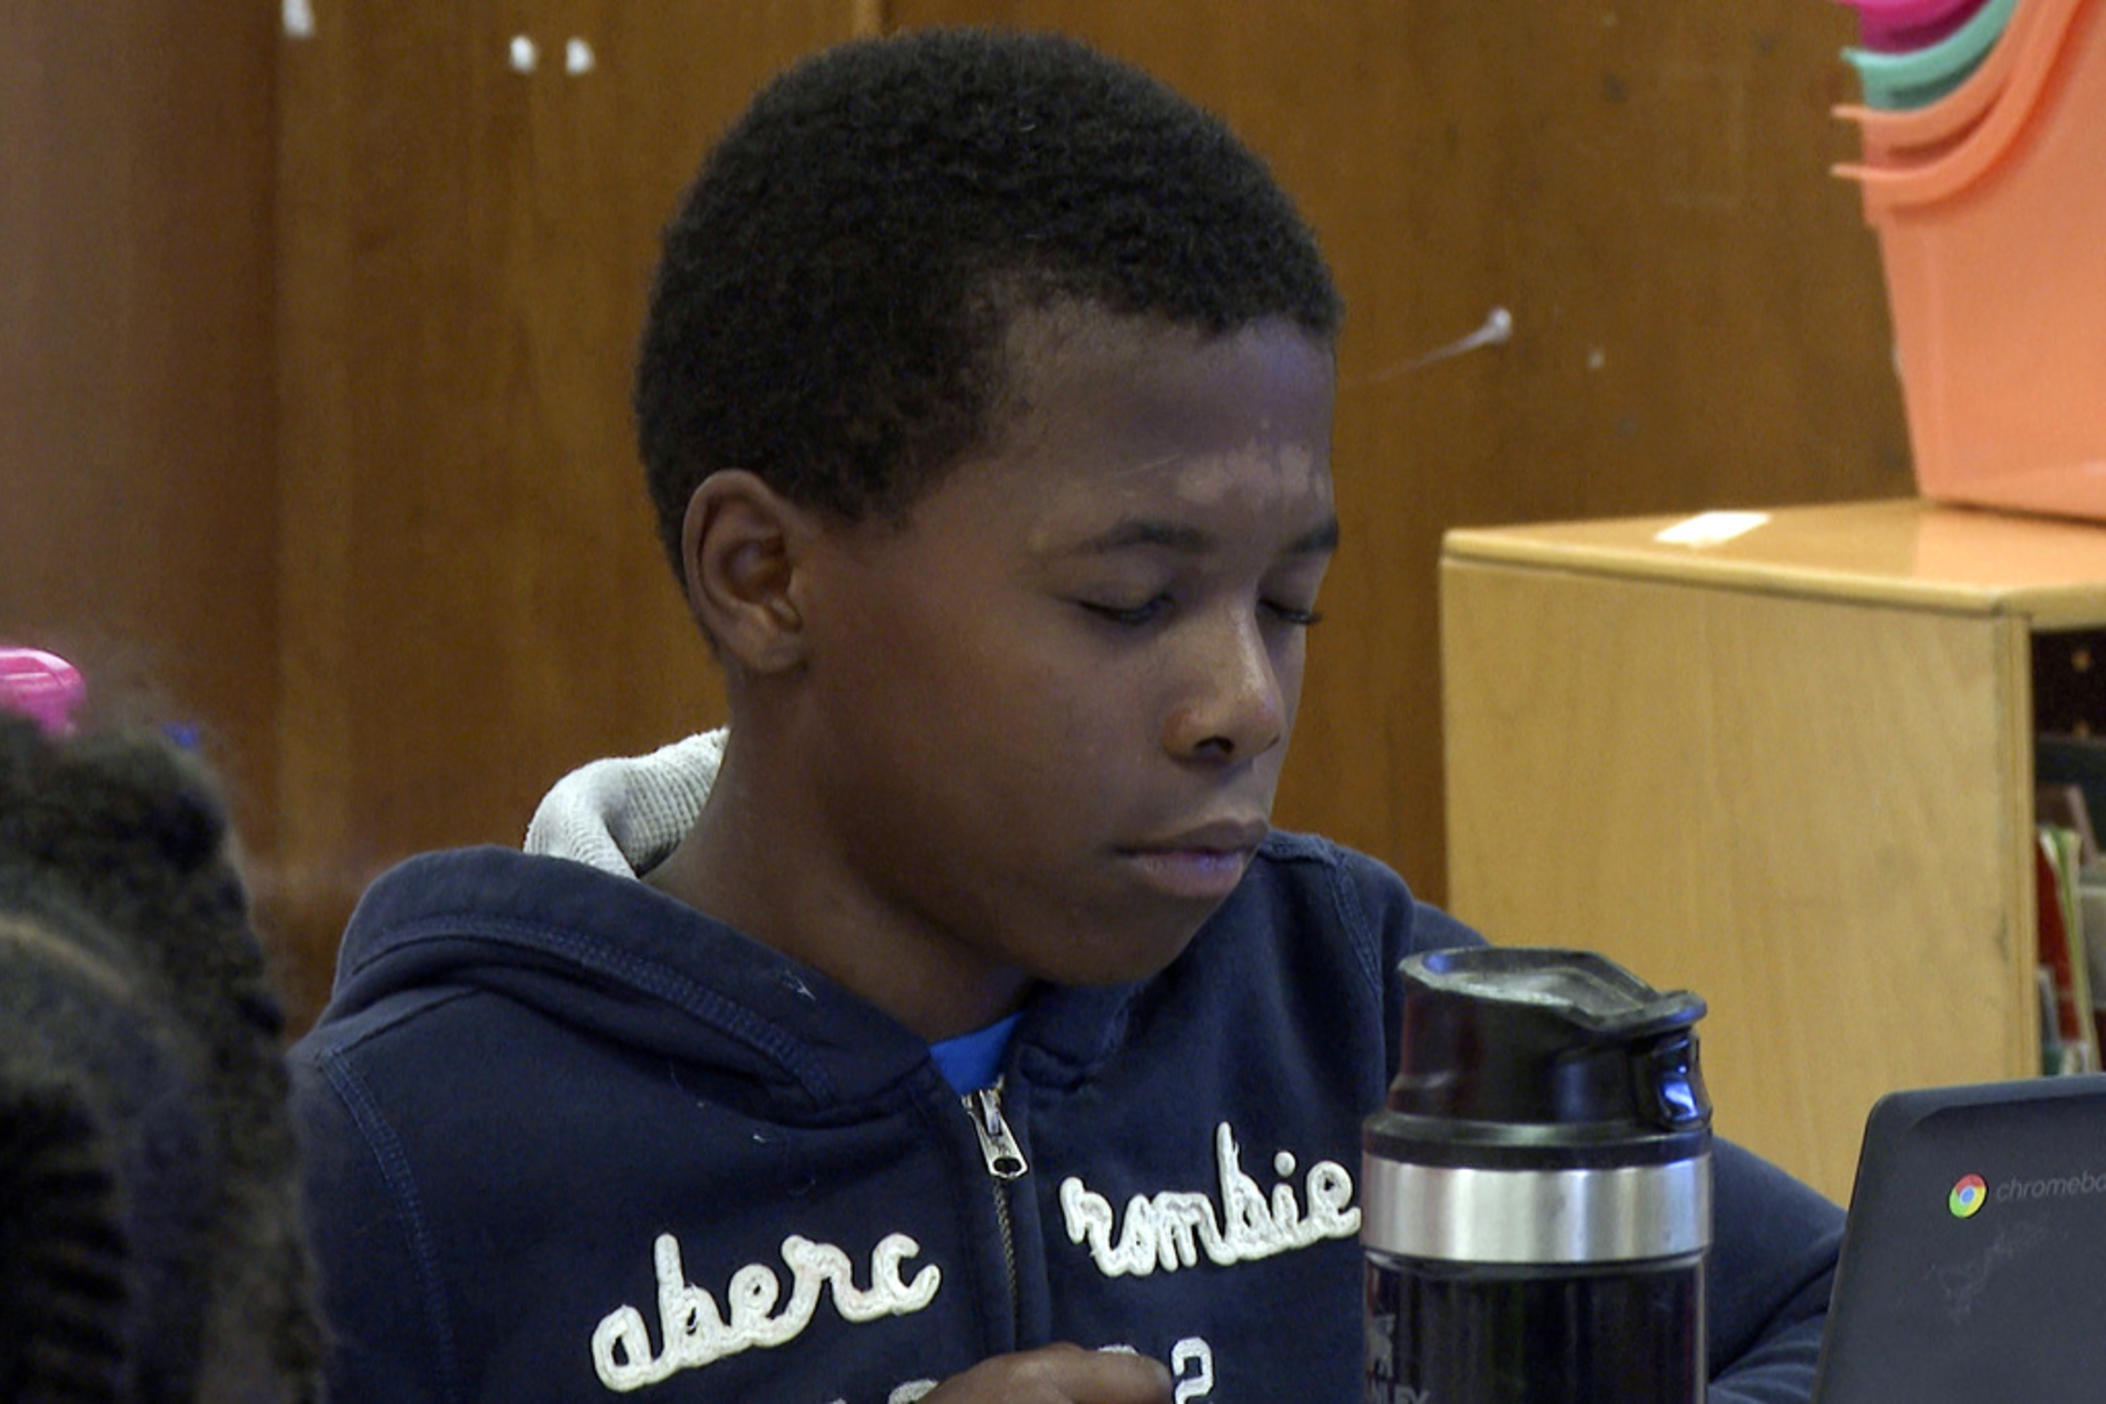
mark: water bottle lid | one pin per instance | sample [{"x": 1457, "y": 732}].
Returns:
[{"x": 1537, "y": 1051}]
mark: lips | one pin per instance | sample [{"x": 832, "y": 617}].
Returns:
[
  {"x": 1202, "y": 863},
  {"x": 1217, "y": 836}
]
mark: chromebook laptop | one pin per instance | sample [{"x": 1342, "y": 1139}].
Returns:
[{"x": 1974, "y": 1260}]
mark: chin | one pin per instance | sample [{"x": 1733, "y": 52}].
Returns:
[{"x": 1138, "y": 955}]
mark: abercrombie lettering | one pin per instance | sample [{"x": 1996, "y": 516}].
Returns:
[
  {"x": 695, "y": 1333},
  {"x": 1169, "y": 1230}
]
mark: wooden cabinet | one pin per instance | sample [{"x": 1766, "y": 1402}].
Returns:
[{"x": 1790, "y": 769}]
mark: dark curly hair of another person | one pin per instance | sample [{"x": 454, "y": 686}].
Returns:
[
  {"x": 833, "y": 296},
  {"x": 150, "y": 1244}
]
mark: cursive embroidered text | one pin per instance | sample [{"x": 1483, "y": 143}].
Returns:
[
  {"x": 1171, "y": 1229},
  {"x": 695, "y": 1332}
]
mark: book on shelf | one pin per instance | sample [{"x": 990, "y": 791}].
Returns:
[
  {"x": 2064, "y": 952},
  {"x": 2063, "y": 805},
  {"x": 2069, "y": 768}
]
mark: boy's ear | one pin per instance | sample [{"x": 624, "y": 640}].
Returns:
[{"x": 742, "y": 545}]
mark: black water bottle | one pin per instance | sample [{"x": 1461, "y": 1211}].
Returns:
[{"x": 1536, "y": 1195}]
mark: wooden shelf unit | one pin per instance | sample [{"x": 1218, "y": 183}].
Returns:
[{"x": 1792, "y": 771}]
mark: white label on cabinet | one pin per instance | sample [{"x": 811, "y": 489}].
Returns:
[{"x": 1711, "y": 528}]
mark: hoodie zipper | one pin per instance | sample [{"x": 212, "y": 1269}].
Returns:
[{"x": 1005, "y": 1165}]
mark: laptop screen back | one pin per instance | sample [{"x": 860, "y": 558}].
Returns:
[{"x": 1974, "y": 1263}]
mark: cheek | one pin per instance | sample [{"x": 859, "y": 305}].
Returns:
[
  {"x": 1069, "y": 725},
  {"x": 889, "y": 638},
  {"x": 981, "y": 692},
  {"x": 1061, "y": 743},
  {"x": 1292, "y": 665}
]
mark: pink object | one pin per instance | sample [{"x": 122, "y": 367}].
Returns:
[
  {"x": 41, "y": 686},
  {"x": 1896, "y": 26},
  {"x": 1907, "y": 14},
  {"x": 1885, "y": 40}
]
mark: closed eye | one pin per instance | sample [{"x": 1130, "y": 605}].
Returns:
[
  {"x": 1130, "y": 616},
  {"x": 1290, "y": 614},
  {"x": 1149, "y": 611}
]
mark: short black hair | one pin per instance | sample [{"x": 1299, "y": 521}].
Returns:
[
  {"x": 150, "y": 1237},
  {"x": 833, "y": 296}
]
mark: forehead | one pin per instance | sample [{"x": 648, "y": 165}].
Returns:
[{"x": 1102, "y": 414}]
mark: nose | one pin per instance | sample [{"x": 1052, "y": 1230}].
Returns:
[{"x": 1233, "y": 703}]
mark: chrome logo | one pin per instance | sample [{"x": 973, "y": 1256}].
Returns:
[{"x": 1967, "y": 1197}]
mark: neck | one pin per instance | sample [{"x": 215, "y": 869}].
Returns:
[{"x": 759, "y": 860}]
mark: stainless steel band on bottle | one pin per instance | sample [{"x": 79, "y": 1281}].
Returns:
[{"x": 1458, "y": 1214}]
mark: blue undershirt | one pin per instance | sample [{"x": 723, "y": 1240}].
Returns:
[{"x": 969, "y": 1062}]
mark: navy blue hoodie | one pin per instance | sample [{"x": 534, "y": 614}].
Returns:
[{"x": 570, "y": 1138}]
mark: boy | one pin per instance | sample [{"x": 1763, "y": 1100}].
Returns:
[{"x": 954, "y": 1017}]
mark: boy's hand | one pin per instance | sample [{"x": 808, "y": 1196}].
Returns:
[{"x": 1059, "y": 1374}]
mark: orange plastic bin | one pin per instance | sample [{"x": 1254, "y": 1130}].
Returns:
[
  {"x": 1899, "y": 138},
  {"x": 1995, "y": 261}
]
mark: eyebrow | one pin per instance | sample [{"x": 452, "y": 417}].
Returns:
[{"x": 1189, "y": 540}]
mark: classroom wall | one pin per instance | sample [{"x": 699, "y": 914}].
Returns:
[
  {"x": 324, "y": 350},
  {"x": 136, "y": 512},
  {"x": 475, "y": 600}
]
